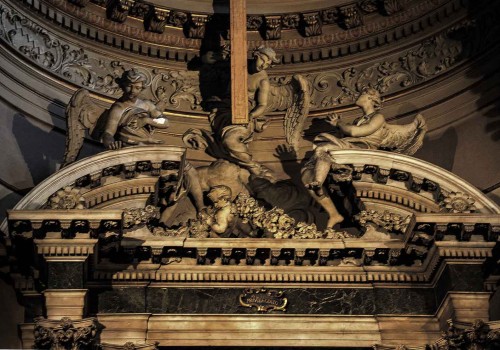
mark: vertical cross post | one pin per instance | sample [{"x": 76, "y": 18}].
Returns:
[{"x": 239, "y": 90}]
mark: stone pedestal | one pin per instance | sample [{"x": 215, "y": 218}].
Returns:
[{"x": 65, "y": 303}]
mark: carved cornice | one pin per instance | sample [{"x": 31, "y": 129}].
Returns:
[
  {"x": 330, "y": 88},
  {"x": 415, "y": 258},
  {"x": 311, "y": 46},
  {"x": 65, "y": 250}
]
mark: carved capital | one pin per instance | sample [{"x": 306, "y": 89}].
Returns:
[
  {"x": 156, "y": 19},
  {"x": 178, "y": 18},
  {"x": 118, "y": 10},
  {"x": 197, "y": 24},
  {"x": 273, "y": 27},
  {"x": 311, "y": 24},
  {"x": 201, "y": 255},
  {"x": 155, "y": 168},
  {"x": 95, "y": 179},
  {"x": 350, "y": 17},
  {"x": 65, "y": 334},
  {"x": 129, "y": 170}
]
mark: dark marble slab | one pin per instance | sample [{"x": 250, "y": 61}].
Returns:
[
  {"x": 65, "y": 275},
  {"x": 329, "y": 301},
  {"x": 33, "y": 307},
  {"x": 321, "y": 301},
  {"x": 342, "y": 301},
  {"x": 405, "y": 301},
  {"x": 460, "y": 278},
  {"x": 258, "y": 348},
  {"x": 195, "y": 301},
  {"x": 119, "y": 299},
  {"x": 469, "y": 278}
]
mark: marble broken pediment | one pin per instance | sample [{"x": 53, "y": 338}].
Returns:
[{"x": 110, "y": 203}]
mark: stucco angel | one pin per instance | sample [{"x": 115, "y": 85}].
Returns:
[
  {"x": 129, "y": 121},
  {"x": 370, "y": 131},
  {"x": 231, "y": 141}
]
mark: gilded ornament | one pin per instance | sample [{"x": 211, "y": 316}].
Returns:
[{"x": 264, "y": 300}]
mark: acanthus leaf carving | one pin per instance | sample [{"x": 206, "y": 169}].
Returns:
[
  {"x": 311, "y": 24},
  {"x": 177, "y": 86},
  {"x": 350, "y": 16},
  {"x": 118, "y": 10},
  {"x": 387, "y": 221},
  {"x": 196, "y": 26},
  {"x": 254, "y": 22},
  {"x": 431, "y": 58},
  {"x": 178, "y": 18},
  {"x": 273, "y": 27},
  {"x": 156, "y": 20},
  {"x": 65, "y": 334}
]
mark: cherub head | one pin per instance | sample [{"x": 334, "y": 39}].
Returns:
[
  {"x": 370, "y": 95},
  {"x": 132, "y": 83},
  {"x": 264, "y": 57},
  {"x": 220, "y": 195}
]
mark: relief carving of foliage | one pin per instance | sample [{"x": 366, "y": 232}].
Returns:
[
  {"x": 432, "y": 57},
  {"x": 177, "y": 86},
  {"x": 70, "y": 62},
  {"x": 96, "y": 73}
]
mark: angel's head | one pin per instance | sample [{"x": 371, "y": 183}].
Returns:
[
  {"x": 371, "y": 96},
  {"x": 132, "y": 82},
  {"x": 264, "y": 57}
]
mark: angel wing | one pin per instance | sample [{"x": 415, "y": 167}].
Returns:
[
  {"x": 295, "y": 98},
  {"x": 81, "y": 115},
  {"x": 408, "y": 138}
]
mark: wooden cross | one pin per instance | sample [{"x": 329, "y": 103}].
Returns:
[{"x": 238, "y": 42}]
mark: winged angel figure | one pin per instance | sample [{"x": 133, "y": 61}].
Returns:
[
  {"x": 129, "y": 121},
  {"x": 371, "y": 131},
  {"x": 231, "y": 141}
]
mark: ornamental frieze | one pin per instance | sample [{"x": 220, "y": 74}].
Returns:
[
  {"x": 314, "y": 42},
  {"x": 181, "y": 88}
]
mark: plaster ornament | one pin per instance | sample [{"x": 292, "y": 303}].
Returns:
[
  {"x": 67, "y": 198},
  {"x": 137, "y": 216},
  {"x": 387, "y": 221},
  {"x": 458, "y": 202}
]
